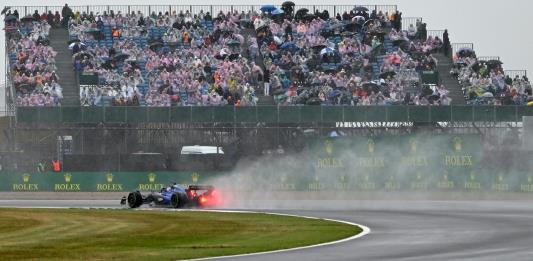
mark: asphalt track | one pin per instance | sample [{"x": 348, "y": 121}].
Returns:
[{"x": 401, "y": 230}]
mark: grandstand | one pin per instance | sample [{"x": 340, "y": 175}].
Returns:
[
  {"x": 331, "y": 55},
  {"x": 116, "y": 80}
]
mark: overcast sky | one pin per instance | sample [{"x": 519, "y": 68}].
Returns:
[{"x": 497, "y": 28}]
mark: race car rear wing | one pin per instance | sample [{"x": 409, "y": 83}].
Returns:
[{"x": 201, "y": 187}]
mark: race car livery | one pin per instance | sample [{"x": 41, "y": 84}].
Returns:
[{"x": 175, "y": 195}]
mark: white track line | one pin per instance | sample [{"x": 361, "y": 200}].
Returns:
[{"x": 366, "y": 231}]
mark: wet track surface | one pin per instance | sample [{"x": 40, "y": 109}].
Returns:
[{"x": 400, "y": 230}]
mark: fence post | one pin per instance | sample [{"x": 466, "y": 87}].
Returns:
[
  {"x": 211, "y": 8},
  {"x": 231, "y": 8}
]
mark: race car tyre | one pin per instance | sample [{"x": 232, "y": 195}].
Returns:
[
  {"x": 175, "y": 200},
  {"x": 178, "y": 200},
  {"x": 183, "y": 199},
  {"x": 135, "y": 199}
]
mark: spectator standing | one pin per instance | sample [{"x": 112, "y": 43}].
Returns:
[
  {"x": 446, "y": 43},
  {"x": 66, "y": 12}
]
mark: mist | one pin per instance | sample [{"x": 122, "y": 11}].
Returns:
[{"x": 340, "y": 172}]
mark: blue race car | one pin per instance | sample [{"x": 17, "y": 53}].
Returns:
[{"x": 176, "y": 196}]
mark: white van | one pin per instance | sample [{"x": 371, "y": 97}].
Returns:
[{"x": 201, "y": 150}]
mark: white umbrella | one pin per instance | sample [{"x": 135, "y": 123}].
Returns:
[
  {"x": 326, "y": 50},
  {"x": 277, "y": 40},
  {"x": 487, "y": 95}
]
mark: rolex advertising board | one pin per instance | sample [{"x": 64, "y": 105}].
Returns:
[
  {"x": 98, "y": 181},
  {"x": 377, "y": 163},
  {"x": 401, "y": 162}
]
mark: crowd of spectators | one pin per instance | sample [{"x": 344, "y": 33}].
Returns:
[
  {"x": 32, "y": 60},
  {"x": 178, "y": 58},
  {"x": 357, "y": 58},
  {"x": 485, "y": 83}
]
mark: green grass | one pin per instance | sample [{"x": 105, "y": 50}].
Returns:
[{"x": 72, "y": 234}]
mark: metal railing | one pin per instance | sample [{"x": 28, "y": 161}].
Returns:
[
  {"x": 488, "y": 58},
  {"x": 436, "y": 33},
  {"x": 514, "y": 73},
  {"x": 272, "y": 114},
  {"x": 408, "y": 21},
  {"x": 213, "y": 9}
]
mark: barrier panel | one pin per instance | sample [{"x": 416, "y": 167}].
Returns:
[
  {"x": 514, "y": 73},
  {"x": 271, "y": 114},
  {"x": 408, "y": 21},
  {"x": 194, "y": 9},
  {"x": 98, "y": 181},
  {"x": 488, "y": 58},
  {"x": 379, "y": 163},
  {"x": 436, "y": 33}
]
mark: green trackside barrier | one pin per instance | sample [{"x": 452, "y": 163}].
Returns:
[
  {"x": 98, "y": 181},
  {"x": 408, "y": 162},
  {"x": 382, "y": 163},
  {"x": 273, "y": 114}
]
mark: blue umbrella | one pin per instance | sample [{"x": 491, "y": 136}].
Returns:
[
  {"x": 286, "y": 45},
  {"x": 267, "y": 8},
  {"x": 277, "y": 11},
  {"x": 334, "y": 93}
]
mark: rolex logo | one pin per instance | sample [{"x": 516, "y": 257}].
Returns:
[
  {"x": 68, "y": 177},
  {"x": 151, "y": 177},
  {"x": 472, "y": 176},
  {"x": 413, "y": 144},
  {"x": 109, "y": 177},
  {"x": 457, "y": 144},
  {"x": 26, "y": 177},
  {"x": 195, "y": 176},
  {"x": 328, "y": 147},
  {"x": 371, "y": 145},
  {"x": 283, "y": 179}
]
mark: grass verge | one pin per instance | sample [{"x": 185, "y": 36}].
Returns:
[{"x": 75, "y": 234}]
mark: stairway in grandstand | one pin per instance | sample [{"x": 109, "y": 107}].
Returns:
[
  {"x": 67, "y": 78},
  {"x": 263, "y": 100},
  {"x": 444, "y": 66}
]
